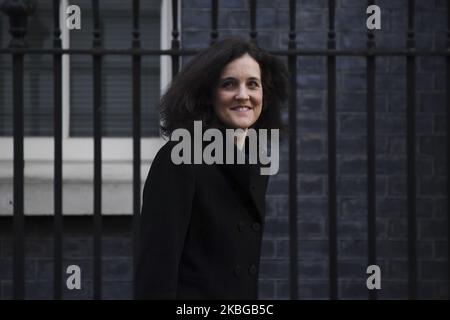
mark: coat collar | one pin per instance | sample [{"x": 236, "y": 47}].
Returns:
[{"x": 249, "y": 184}]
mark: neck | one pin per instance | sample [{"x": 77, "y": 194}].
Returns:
[{"x": 240, "y": 139}]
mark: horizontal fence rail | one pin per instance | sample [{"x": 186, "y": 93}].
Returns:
[
  {"x": 187, "y": 52},
  {"x": 19, "y": 11}
]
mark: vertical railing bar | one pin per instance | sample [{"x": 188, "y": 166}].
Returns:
[
  {"x": 97, "y": 86},
  {"x": 371, "y": 165},
  {"x": 214, "y": 17},
  {"x": 18, "y": 22},
  {"x": 253, "y": 32},
  {"x": 18, "y": 219},
  {"x": 448, "y": 144},
  {"x": 331, "y": 96},
  {"x": 411, "y": 155},
  {"x": 58, "y": 218},
  {"x": 175, "y": 55},
  {"x": 136, "y": 74},
  {"x": 292, "y": 62}
]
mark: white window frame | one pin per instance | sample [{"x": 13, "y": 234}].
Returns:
[{"x": 117, "y": 153}]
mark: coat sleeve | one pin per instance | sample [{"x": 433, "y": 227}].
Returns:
[{"x": 165, "y": 216}]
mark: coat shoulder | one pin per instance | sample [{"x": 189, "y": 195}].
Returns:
[
  {"x": 164, "y": 155},
  {"x": 165, "y": 151},
  {"x": 163, "y": 165}
]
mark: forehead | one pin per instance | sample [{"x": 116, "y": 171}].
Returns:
[{"x": 244, "y": 66}]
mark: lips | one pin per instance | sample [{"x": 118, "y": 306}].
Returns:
[{"x": 241, "y": 108}]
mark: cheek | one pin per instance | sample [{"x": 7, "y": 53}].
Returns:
[
  {"x": 259, "y": 99},
  {"x": 222, "y": 101},
  {"x": 259, "y": 102}
]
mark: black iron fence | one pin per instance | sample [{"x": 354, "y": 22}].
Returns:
[{"x": 18, "y": 12}]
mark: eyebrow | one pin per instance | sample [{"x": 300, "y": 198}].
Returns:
[{"x": 233, "y": 78}]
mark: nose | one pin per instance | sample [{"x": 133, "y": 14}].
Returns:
[{"x": 242, "y": 94}]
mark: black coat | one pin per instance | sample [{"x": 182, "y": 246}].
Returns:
[{"x": 201, "y": 230}]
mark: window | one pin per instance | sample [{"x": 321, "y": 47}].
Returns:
[{"x": 116, "y": 16}]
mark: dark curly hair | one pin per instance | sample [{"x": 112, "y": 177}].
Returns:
[{"x": 190, "y": 94}]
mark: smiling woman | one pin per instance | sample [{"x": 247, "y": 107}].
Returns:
[
  {"x": 202, "y": 223},
  {"x": 238, "y": 97},
  {"x": 215, "y": 74}
]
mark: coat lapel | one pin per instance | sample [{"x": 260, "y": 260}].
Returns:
[{"x": 251, "y": 185}]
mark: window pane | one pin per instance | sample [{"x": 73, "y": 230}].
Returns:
[
  {"x": 38, "y": 77},
  {"x": 117, "y": 81},
  {"x": 116, "y": 16}
]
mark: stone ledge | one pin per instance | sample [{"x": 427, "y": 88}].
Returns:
[{"x": 117, "y": 197}]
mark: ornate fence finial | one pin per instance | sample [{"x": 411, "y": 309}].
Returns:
[{"x": 18, "y": 12}]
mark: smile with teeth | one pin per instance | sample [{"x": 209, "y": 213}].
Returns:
[{"x": 241, "y": 108}]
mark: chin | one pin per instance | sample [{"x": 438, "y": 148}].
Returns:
[{"x": 241, "y": 125}]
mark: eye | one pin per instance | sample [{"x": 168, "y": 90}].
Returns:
[
  {"x": 227, "y": 84},
  {"x": 253, "y": 84}
]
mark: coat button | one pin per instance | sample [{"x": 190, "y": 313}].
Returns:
[
  {"x": 237, "y": 270},
  {"x": 256, "y": 226},
  {"x": 252, "y": 269},
  {"x": 241, "y": 226}
]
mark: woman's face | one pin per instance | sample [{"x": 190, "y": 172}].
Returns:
[{"x": 239, "y": 95}]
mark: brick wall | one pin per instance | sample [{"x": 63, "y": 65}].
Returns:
[{"x": 77, "y": 250}]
